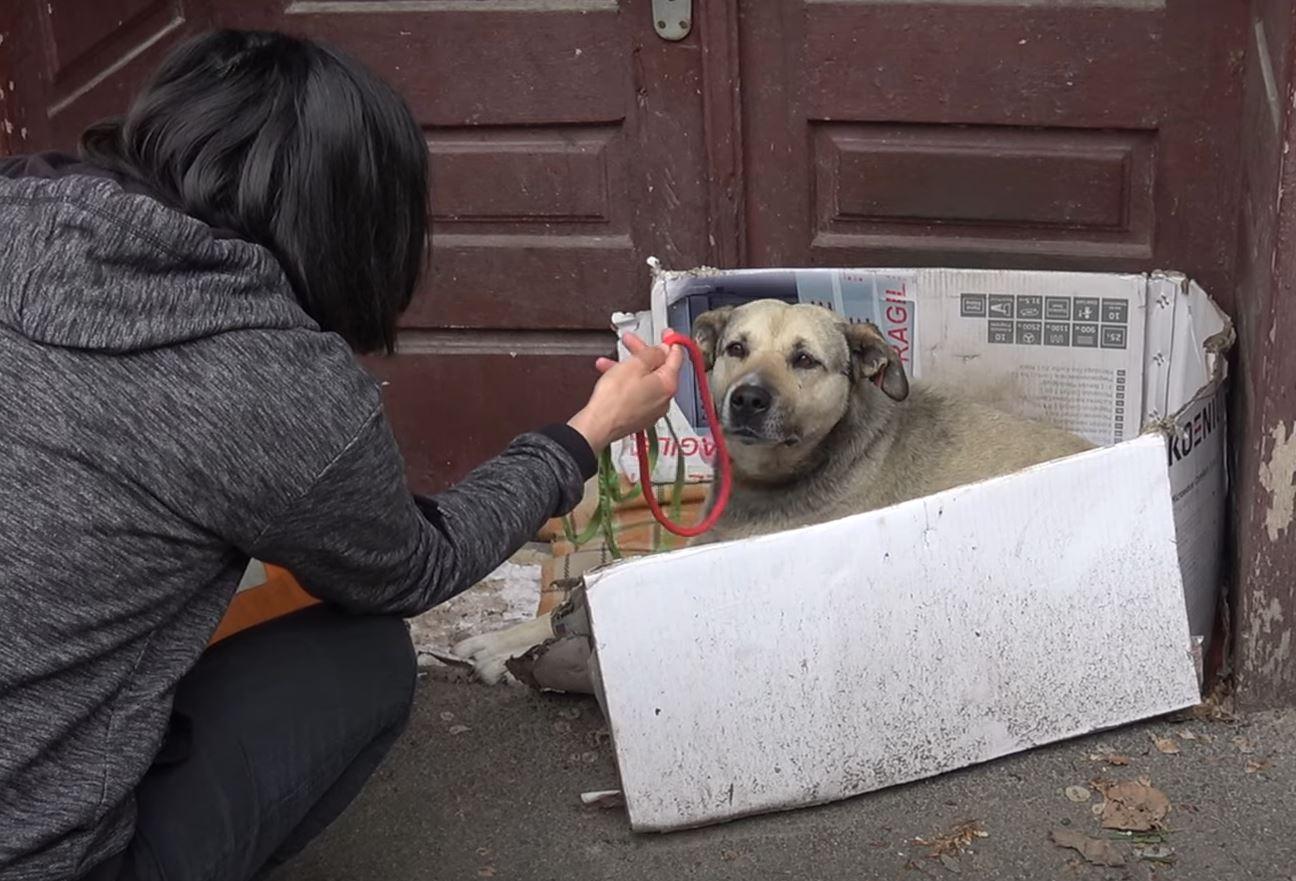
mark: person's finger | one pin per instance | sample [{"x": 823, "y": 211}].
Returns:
[
  {"x": 675, "y": 360},
  {"x": 603, "y": 365},
  {"x": 651, "y": 357},
  {"x": 632, "y": 343}
]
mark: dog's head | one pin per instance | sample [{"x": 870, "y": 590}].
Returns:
[{"x": 783, "y": 376}]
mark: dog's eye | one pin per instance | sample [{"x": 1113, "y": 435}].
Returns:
[
  {"x": 736, "y": 350},
  {"x": 804, "y": 361}
]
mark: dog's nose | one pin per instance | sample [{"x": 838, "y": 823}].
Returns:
[{"x": 749, "y": 402}]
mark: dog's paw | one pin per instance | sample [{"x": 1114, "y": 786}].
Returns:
[{"x": 489, "y": 652}]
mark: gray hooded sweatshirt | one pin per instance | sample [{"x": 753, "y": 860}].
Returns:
[{"x": 166, "y": 411}]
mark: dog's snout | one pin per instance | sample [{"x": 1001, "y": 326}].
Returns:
[{"x": 749, "y": 402}]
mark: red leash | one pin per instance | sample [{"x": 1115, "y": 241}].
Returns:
[{"x": 673, "y": 338}]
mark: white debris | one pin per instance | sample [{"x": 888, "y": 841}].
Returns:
[{"x": 508, "y": 595}]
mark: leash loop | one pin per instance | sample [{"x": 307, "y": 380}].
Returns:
[{"x": 722, "y": 468}]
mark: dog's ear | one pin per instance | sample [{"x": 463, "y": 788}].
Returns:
[
  {"x": 874, "y": 360},
  {"x": 708, "y": 328}
]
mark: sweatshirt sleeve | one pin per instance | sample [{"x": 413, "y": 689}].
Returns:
[{"x": 359, "y": 539}]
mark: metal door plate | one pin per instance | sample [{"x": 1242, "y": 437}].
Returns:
[{"x": 672, "y": 19}]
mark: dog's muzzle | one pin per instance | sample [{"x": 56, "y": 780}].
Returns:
[{"x": 749, "y": 415}]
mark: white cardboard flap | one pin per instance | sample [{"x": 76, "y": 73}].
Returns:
[{"x": 807, "y": 666}]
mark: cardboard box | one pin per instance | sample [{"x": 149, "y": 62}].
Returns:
[
  {"x": 1141, "y": 352},
  {"x": 833, "y": 660}
]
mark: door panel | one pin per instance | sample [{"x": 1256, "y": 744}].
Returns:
[
  {"x": 73, "y": 63},
  {"x": 1071, "y": 192},
  {"x": 1082, "y": 134}
]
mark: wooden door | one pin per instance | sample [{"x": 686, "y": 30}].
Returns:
[
  {"x": 566, "y": 147},
  {"x": 1069, "y": 134}
]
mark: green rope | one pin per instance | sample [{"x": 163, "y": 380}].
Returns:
[{"x": 603, "y": 523}]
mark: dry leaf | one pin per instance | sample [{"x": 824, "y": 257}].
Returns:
[
  {"x": 1109, "y": 758},
  {"x": 447, "y": 717},
  {"x": 1245, "y": 746},
  {"x": 1098, "y": 851},
  {"x": 1255, "y": 767},
  {"x": 950, "y": 864},
  {"x": 1134, "y": 806},
  {"x": 1078, "y": 793},
  {"x": 955, "y": 841},
  {"x": 1099, "y": 808},
  {"x": 1155, "y": 853},
  {"x": 1187, "y": 735},
  {"x": 459, "y": 729},
  {"x": 1166, "y": 745}
]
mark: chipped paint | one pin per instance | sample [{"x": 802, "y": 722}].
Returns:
[
  {"x": 1268, "y": 657},
  {"x": 1276, "y": 476}
]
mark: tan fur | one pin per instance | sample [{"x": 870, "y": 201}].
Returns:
[
  {"x": 835, "y": 442},
  {"x": 843, "y": 433}
]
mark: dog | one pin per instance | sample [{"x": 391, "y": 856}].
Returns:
[{"x": 821, "y": 423}]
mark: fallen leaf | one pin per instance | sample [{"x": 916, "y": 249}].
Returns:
[
  {"x": 950, "y": 864},
  {"x": 728, "y": 856},
  {"x": 1099, "y": 808},
  {"x": 1255, "y": 767},
  {"x": 1135, "y": 806},
  {"x": 1187, "y": 735},
  {"x": 459, "y": 729},
  {"x": 1095, "y": 850},
  {"x": 1217, "y": 707},
  {"x": 1166, "y": 745},
  {"x": 1078, "y": 793},
  {"x": 1244, "y": 745},
  {"x": 1109, "y": 758},
  {"x": 1155, "y": 853},
  {"x": 955, "y": 841},
  {"x": 447, "y": 717}
]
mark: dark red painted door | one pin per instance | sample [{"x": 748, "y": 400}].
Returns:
[
  {"x": 1080, "y": 134},
  {"x": 566, "y": 146}
]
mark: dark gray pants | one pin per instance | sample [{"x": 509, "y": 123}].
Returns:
[{"x": 275, "y": 731}]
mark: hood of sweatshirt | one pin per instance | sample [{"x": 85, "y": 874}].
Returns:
[{"x": 141, "y": 278}]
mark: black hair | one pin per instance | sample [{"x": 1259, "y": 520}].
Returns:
[{"x": 293, "y": 146}]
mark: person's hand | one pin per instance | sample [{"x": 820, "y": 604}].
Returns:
[{"x": 631, "y": 395}]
